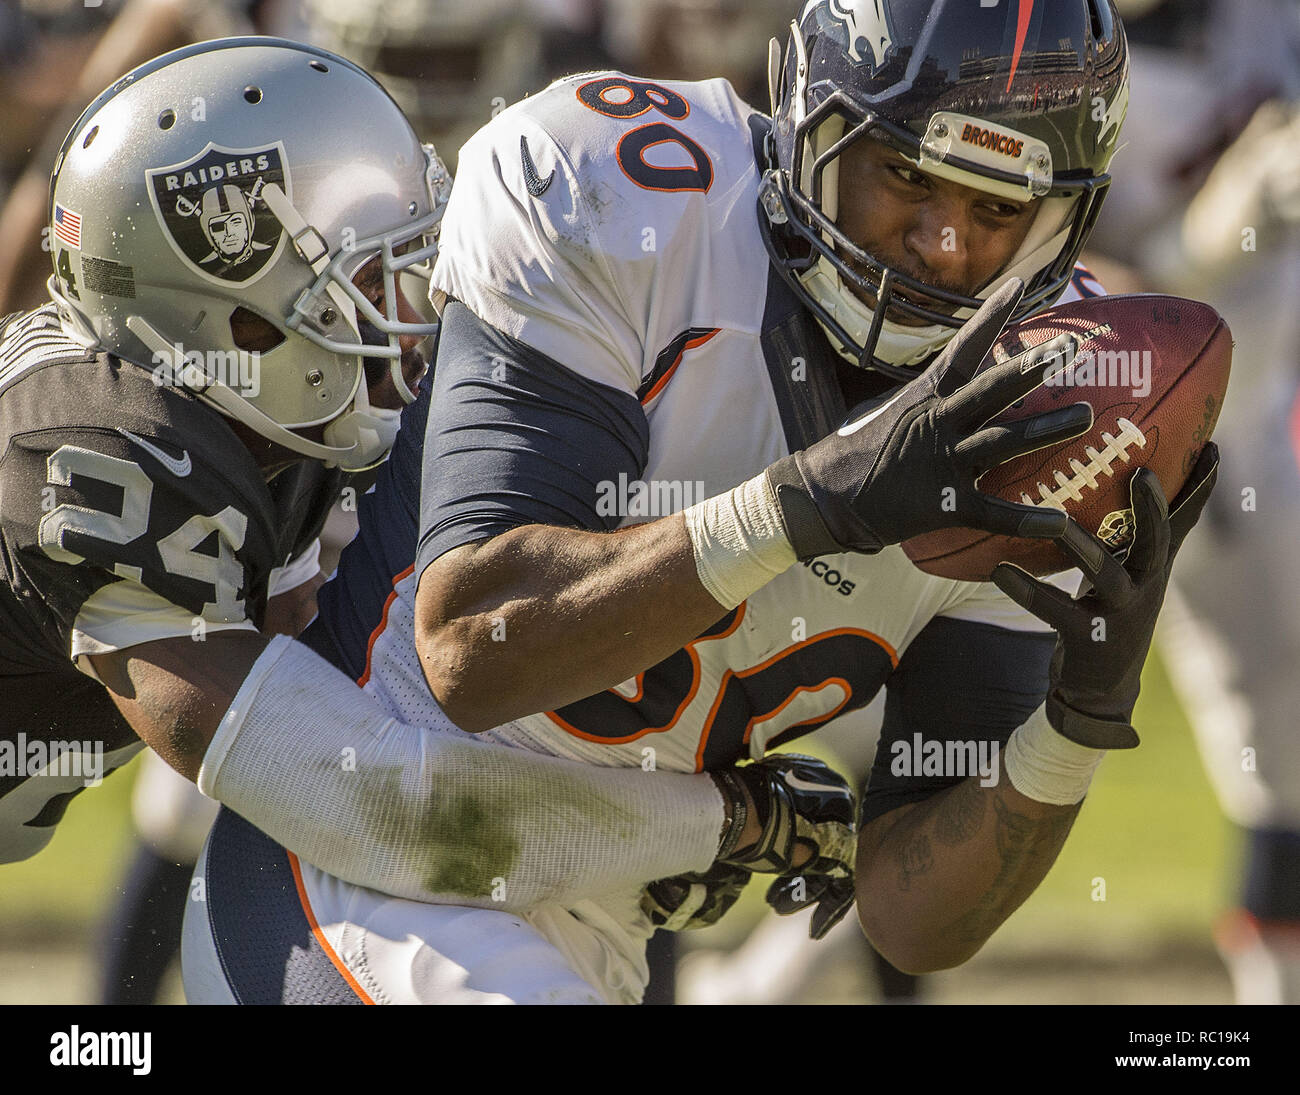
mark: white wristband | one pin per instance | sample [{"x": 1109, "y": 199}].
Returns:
[
  {"x": 1047, "y": 767},
  {"x": 739, "y": 540}
]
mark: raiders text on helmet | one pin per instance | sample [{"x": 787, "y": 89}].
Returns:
[
  {"x": 1023, "y": 99},
  {"x": 249, "y": 173}
]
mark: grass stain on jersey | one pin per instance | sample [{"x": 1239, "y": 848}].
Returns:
[
  {"x": 464, "y": 840},
  {"x": 471, "y": 839},
  {"x": 482, "y": 846}
]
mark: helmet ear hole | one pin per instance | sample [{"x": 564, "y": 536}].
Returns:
[{"x": 252, "y": 333}]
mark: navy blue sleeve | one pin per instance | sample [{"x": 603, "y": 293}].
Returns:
[
  {"x": 350, "y": 606},
  {"x": 514, "y": 438},
  {"x": 959, "y": 682}
]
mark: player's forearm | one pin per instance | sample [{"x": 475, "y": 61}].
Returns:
[
  {"x": 288, "y": 742},
  {"x": 539, "y": 616},
  {"x": 174, "y": 692},
  {"x": 935, "y": 880},
  {"x": 434, "y": 815}
]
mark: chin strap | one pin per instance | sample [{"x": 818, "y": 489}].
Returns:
[
  {"x": 898, "y": 346},
  {"x": 192, "y": 377},
  {"x": 366, "y": 433},
  {"x": 310, "y": 246}
]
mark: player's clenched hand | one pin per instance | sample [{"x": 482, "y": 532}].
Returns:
[
  {"x": 906, "y": 466},
  {"x": 688, "y": 901},
  {"x": 807, "y": 815},
  {"x": 1103, "y": 636},
  {"x": 807, "y": 834}
]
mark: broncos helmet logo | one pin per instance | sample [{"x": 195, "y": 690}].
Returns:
[{"x": 866, "y": 22}]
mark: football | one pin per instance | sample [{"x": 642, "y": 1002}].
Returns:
[{"x": 1154, "y": 369}]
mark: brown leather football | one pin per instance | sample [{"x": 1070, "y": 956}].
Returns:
[{"x": 1155, "y": 370}]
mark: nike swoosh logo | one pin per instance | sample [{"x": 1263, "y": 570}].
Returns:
[
  {"x": 791, "y": 780},
  {"x": 178, "y": 467},
  {"x": 537, "y": 186},
  {"x": 867, "y": 419}
]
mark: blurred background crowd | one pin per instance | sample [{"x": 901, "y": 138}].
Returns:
[{"x": 1181, "y": 882}]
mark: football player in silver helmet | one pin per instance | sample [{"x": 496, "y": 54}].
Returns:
[{"x": 224, "y": 344}]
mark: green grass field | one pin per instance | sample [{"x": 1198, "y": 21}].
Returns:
[
  {"x": 64, "y": 888},
  {"x": 1151, "y": 829}
]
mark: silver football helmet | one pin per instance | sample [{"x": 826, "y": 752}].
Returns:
[{"x": 254, "y": 174}]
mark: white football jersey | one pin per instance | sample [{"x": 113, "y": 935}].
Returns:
[
  {"x": 612, "y": 225},
  {"x": 641, "y": 266}
]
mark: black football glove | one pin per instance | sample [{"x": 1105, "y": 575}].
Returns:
[
  {"x": 800, "y": 801},
  {"x": 689, "y": 901},
  {"x": 820, "y": 882},
  {"x": 1104, "y": 635},
  {"x": 882, "y": 477}
]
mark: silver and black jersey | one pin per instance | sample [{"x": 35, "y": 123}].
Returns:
[{"x": 116, "y": 491}]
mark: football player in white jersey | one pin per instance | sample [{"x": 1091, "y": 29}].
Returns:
[
  {"x": 177, "y": 422},
  {"x": 642, "y": 538}
]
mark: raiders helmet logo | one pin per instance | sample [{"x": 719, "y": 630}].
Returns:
[
  {"x": 213, "y": 215},
  {"x": 866, "y": 23}
]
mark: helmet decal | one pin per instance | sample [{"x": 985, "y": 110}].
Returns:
[
  {"x": 866, "y": 23},
  {"x": 213, "y": 215},
  {"x": 1108, "y": 132},
  {"x": 1022, "y": 29}
]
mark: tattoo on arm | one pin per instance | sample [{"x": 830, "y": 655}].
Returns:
[
  {"x": 1026, "y": 848},
  {"x": 914, "y": 858},
  {"x": 960, "y": 814}
]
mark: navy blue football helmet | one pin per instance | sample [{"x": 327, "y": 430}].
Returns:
[{"x": 1023, "y": 99}]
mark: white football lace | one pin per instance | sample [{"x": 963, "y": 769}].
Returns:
[{"x": 1085, "y": 475}]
